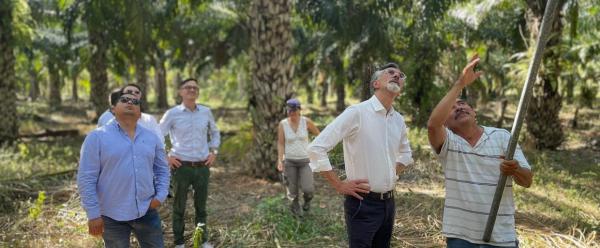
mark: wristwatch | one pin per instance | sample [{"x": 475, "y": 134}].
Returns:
[{"x": 215, "y": 151}]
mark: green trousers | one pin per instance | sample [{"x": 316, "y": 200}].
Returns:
[{"x": 183, "y": 177}]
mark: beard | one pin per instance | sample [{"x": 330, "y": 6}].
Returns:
[{"x": 393, "y": 87}]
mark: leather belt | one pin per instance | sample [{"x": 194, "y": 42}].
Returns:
[
  {"x": 193, "y": 163},
  {"x": 378, "y": 196}
]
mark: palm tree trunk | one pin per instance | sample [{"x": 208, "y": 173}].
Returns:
[
  {"x": 142, "y": 80},
  {"x": 74, "y": 93},
  {"x": 97, "y": 67},
  {"x": 324, "y": 92},
  {"x": 542, "y": 114},
  {"x": 341, "y": 96},
  {"x": 271, "y": 70},
  {"x": 54, "y": 98},
  {"x": 8, "y": 99},
  {"x": 161, "y": 81}
]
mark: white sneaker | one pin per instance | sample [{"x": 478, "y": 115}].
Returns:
[
  {"x": 207, "y": 245},
  {"x": 180, "y": 246}
]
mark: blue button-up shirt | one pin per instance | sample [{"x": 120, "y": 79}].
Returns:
[
  {"x": 189, "y": 132},
  {"x": 118, "y": 176}
]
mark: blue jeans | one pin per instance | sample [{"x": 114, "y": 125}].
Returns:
[
  {"x": 461, "y": 243},
  {"x": 369, "y": 222},
  {"x": 147, "y": 230}
]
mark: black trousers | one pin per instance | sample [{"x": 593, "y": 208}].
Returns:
[{"x": 369, "y": 222}]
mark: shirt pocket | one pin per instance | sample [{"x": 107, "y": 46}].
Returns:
[{"x": 146, "y": 151}]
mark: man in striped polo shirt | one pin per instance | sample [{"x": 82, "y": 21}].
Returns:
[{"x": 473, "y": 158}]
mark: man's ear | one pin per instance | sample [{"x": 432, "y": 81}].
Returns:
[{"x": 375, "y": 84}]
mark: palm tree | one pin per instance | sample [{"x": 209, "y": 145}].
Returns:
[
  {"x": 97, "y": 18},
  {"x": 8, "y": 98},
  {"x": 542, "y": 114},
  {"x": 271, "y": 69}
]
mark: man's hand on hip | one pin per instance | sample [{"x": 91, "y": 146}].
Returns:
[
  {"x": 154, "y": 203},
  {"x": 96, "y": 226},
  {"x": 353, "y": 187},
  {"x": 211, "y": 159},
  {"x": 174, "y": 162}
]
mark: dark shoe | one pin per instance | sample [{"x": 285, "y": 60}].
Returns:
[
  {"x": 307, "y": 199},
  {"x": 306, "y": 207},
  {"x": 295, "y": 207}
]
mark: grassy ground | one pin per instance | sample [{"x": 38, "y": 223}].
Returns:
[{"x": 561, "y": 209}]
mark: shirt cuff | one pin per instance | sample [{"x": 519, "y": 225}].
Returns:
[
  {"x": 320, "y": 165},
  {"x": 406, "y": 160},
  {"x": 93, "y": 214}
]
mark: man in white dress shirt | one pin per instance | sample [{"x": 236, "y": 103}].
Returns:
[
  {"x": 376, "y": 149},
  {"x": 146, "y": 120},
  {"x": 195, "y": 141}
]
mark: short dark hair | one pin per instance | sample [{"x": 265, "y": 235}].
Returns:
[
  {"x": 185, "y": 81},
  {"x": 114, "y": 96},
  {"x": 132, "y": 85}
]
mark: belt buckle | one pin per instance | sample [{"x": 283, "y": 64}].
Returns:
[{"x": 381, "y": 196}]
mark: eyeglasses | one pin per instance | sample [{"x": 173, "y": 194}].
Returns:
[
  {"x": 133, "y": 92},
  {"x": 189, "y": 87},
  {"x": 130, "y": 100},
  {"x": 401, "y": 75}
]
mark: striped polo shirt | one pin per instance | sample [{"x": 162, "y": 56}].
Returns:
[{"x": 471, "y": 176}]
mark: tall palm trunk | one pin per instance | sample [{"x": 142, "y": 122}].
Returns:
[
  {"x": 142, "y": 80},
  {"x": 74, "y": 93},
  {"x": 542, "y": 114},
  {"x": 271, "y": 70},
  {"x": 97, "y": 68},
  {"x": 8, "y": 99},
  {"x": 161, "y": 81},
  {"x": 54, "y": 98}
]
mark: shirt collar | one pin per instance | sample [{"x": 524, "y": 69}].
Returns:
[
  {"x": 117, "y": 126},
  {"x": 377, "y": 106},
  {"x": 183, "y": 108}
]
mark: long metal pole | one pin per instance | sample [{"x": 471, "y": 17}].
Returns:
[{"x": 523, "y": 102}]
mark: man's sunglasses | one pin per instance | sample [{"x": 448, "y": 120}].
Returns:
[{"x": 130, "y": 100}]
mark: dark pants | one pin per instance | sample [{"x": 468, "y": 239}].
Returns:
[
  {"x": 147, "y": 230},
  {"x": 183, "y": 177},
  {"x": 461, "y": 243},
  {"x": 369, "y": 222}
]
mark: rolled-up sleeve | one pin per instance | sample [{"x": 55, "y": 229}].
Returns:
[
  {"x": 343, "y": 126},
  {"x": 161, "y": 173},
  {"x": 87, "y": 176},
  {"x": 404, "y": 155}
]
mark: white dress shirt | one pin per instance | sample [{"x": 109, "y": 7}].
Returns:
[
  {"x": 374, "y": 141},
  {"x": 146, "y": 120},
  {"x": 190, "y": 132}
]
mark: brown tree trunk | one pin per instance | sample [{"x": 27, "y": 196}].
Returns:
[
  {"x": 542, "y": 114},
  {"x": 9, "y": 128},
  {"x": 340, "y": 91},
  {"x": 141, "y": 79},
  {"x": 97, "y": 69},
  {"x": 271, "y": 70},
  {"x": 503, "y": 105},
  {"x": 74, "y": 93},
  {"x": 161, "y": 82},
  {"x": 54, "y": 98},
  {"x": 324, "y": 92}
]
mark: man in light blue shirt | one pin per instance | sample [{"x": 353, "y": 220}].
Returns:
[
  {"x": 123, "y": 177},
  {"x": 195, "y": 139}
]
